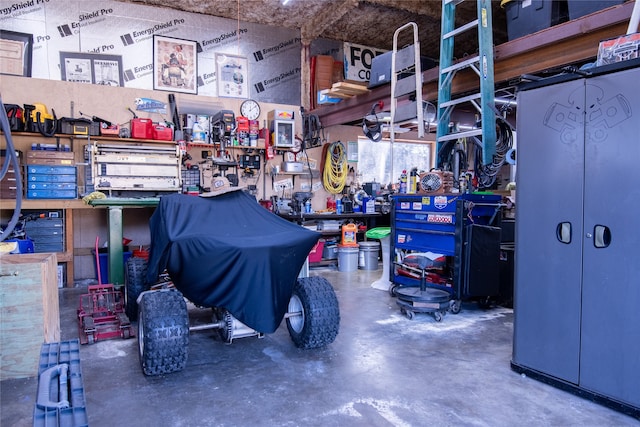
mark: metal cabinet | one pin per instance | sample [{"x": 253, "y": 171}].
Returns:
[
  {"x": 577, "y": 275},
  {"x": 463, "y": 227}
]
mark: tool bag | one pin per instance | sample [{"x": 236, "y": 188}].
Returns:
[
  {"x": 37, "y": 119},
  {"x": 15, "y": 114}
]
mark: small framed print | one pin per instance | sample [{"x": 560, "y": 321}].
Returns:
[
  {"x": 175, "y": 65},
  {"x": 232, "y": 76},
  {"x": 16, "y": 50}
]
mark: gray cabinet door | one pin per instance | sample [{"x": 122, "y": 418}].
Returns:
[
  {"x": 610, "y": 340},
  {"x": 549, "y": 227}
]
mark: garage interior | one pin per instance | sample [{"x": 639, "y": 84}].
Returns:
[{"x": 338, "y": 250}]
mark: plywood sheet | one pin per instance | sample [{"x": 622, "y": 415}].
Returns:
[{"x": 347, "y": 89}]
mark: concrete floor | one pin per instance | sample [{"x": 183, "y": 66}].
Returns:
[{"x": 382, "y": 370}]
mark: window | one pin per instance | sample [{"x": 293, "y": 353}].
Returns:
[{"x": 374, "y": 159}]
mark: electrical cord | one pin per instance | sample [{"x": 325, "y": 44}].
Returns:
[
  {"x": 11, "y": 157},
  {"x": 486, "y": 174},
  {"x": 313, "y": 132},
  {"x": 334, "y": 175}
]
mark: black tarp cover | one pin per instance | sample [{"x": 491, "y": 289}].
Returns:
[{"x": 228, "y": 251}]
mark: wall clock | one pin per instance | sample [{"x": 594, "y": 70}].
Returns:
[{"x": 250, "y": 109}]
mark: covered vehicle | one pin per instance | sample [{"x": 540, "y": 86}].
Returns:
[{"x": 229, "y": 253}]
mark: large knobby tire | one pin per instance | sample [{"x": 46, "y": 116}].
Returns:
[
  {"x": 163, "y": 332},
  {"x": 314, "y": 316},
  {"x": 136, "y": 274}
]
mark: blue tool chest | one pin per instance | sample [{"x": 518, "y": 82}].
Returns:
[
  {"x": 51, "y": 182},
  {"x": 451, "y": 225}
]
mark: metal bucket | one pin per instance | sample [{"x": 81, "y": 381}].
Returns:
[
  {"x": 347, "y": 258},
  {"x": 368, "y": 256}
]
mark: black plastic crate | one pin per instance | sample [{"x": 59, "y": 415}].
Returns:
[
  {"x": 579, "y": 8},
  {"x": 526, "y": 17}
]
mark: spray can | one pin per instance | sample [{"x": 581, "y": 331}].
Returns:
[
  {"x": 413, "y": 181},
  {"x": 338, "y": 206},
  {"x": 403, "y": 182}
]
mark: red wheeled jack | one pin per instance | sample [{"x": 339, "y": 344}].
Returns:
[
  {"x": 101, "y": 315},
  {"x": 101, "y": 312}
]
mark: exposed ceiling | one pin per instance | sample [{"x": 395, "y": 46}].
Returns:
[{"x": 368, "y": 22}]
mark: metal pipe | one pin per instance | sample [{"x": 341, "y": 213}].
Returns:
[
  {"x": 635, "y": 18},
  {"x": 217, "y": 325},
  {"x": 292, "y": 314}
]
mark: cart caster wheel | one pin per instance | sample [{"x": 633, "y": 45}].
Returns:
[
  {"x": 484, "y": 303},
  {"x": 410, "y": 314},
  {"x": 392, "y": 290},
  {"x": 455, "y": 306},
  {"x": 438, "y": 316}
]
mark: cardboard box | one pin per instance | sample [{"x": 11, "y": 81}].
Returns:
[{"x": 619, "y": 49}]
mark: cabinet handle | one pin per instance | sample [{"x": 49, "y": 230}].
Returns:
[
  {"x": 3, "y": 274},
  {"x": 563, "y": 232},
  {"x": 602, "y": 236}
]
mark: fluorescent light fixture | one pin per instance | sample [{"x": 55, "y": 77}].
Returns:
[{"x": 284, "y": 2}]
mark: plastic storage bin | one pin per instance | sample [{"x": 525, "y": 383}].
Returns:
[
  {"x": 104, "y": 263},
  {"x": 316, "y": 252},
  {"x": 526, "y": 17},
  {"x": 579, "y": 8}
]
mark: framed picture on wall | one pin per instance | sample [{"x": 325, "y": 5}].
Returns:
[
  {"x": 16, "y": 51},
  {"x": 175, "y": 65},
  {"x": 82, "y": 67},
  {"x": 232, "y": 76}
]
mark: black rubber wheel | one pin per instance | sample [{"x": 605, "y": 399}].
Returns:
[
  {"x": 438, "y": 316},
  {"x": 136, "y": 273},
  {"x": 392, "y": 290},
  {"x": 313, "y": 316},
  {"x": 456, "y": 306},
  {"x": 163, "y": 332}
]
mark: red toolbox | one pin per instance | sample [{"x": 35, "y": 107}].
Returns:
[{"x": 141, "y": 128}]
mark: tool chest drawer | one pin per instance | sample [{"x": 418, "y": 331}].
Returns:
[
  {"x": 51, "y": 182},
  {"x": 46, "y": 230},
  {"x": 431, "y": 222}
]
